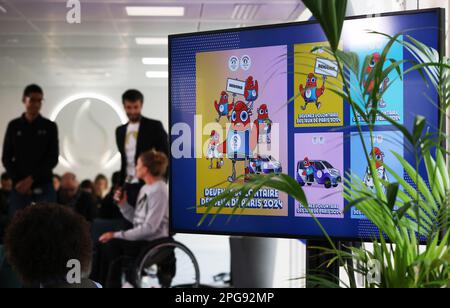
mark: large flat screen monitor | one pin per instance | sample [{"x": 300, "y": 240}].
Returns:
[{"x": 265, "y": 88}]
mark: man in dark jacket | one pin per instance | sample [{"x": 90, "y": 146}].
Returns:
[
  {"x": 139, "y": 135},
  {"x": 30, "y": 152}
]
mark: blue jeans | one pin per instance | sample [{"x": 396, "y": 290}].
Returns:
[{"x": 19, "y": 202}]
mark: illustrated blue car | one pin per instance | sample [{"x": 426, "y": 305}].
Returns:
[
  {"x": 323, "y": 174},
  {"x": 265, "y": 165}
]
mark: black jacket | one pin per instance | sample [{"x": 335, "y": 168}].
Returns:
[
  {"x": 31, "y": 149},
  {"x": 109, "y": 208},
  {"x": 151, "y": 136}
]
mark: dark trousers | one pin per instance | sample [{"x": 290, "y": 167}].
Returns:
[
  {"x": 119, "y": 257},
  {"x": 112, "y": 259},
  {"x": 19, "y": 202}
]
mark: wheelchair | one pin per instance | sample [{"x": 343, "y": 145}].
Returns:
[{"x": 165, "y": 263}]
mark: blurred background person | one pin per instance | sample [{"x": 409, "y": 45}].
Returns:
[
  {"x": 56, "y": 182},
  {"x": 5, "y": 192},
  {"x": 101, "y": 186},
  {"x": 150, "y": 218},
  {"x": 6, "y": 186},
  {"x": 88, "y": 187},
  {"x": 30, "y": 153},
  {"x": 6, "y": 183},
  {"x": 81, "y": 200},
  {"x": 40, "y": 255},
  {"x": 139, "y": 135},
  {"x": 109, "y": 209}
]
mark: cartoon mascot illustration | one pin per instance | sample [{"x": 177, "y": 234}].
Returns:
[
  {"x": 308, "y": 172},
  {"x": 241, "y": 139},
  {"x": 251, "y": 92},
  {"x": 213, "y": 152},
  {"x": 224, "y": 107},
  {"x": 375, "y": 58},
  {"x": 378, "y": 156},
  {"x": 311, "y": 92},
  {"x": 263, "y": 124}
]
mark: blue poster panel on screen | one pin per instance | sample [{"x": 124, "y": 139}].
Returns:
[
  {"x": 390, "y": 89},
  {"x": 381, "y": 147},
  {"x": 264, "y": 100},
  {"x": 243, "y": 114},
  {"x": 319, "y": 169}
]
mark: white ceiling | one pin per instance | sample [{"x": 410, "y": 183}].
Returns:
[{"x": 38, "y": 45}]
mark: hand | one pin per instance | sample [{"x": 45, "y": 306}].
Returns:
[
  {"x": 24, "y": 186},
  {"x": 106, "y": 237},
  {"x": 120, "y": 197}
]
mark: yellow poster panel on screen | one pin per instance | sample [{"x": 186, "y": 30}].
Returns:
[
  {"x": 316, "y": 72},
  {"x": 240, "y": 118}
]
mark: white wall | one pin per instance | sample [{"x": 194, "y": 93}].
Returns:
[{"x": 358, "y": 7}]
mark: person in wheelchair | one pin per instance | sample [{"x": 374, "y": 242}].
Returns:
[{"x": 150, "y": 218}]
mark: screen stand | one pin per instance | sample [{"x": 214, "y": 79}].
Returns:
[
  {"x": 316, "y": 264},
  {"x": 252, "y": 261}
]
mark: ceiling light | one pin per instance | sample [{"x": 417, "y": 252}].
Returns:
[
  {"x": 155, "y": 61},
  {"x": 157, "y": 74},
  {"x": 245, "y": 11},
  {"x": 166, "y": 11},
  {"x": 152, "y": 41}
]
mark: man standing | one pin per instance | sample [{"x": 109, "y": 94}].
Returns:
[
  {"x": 138, "y": 136},
  {"x": 30, "y": 152}
]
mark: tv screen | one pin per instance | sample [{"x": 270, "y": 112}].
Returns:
[{"x": 259, "y": 101}]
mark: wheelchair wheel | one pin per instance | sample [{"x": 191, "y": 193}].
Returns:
[{"x": 168, "y": 265}]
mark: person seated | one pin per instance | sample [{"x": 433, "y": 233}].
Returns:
[
  {"x": 108, "y": 208},
  {"x": 6, "y": 185},
  {"x": 5, "y": 192},
  {"x": 150, "y": 218},
  {"x": 3, "y": 206},
  {"x": 72, "y": 195},
  {"x": 101, "y": 186},
  {"x": 87, "y": 186},
  {"x": 49, "y": 246},
  {"x": 56, "y": 182}
]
